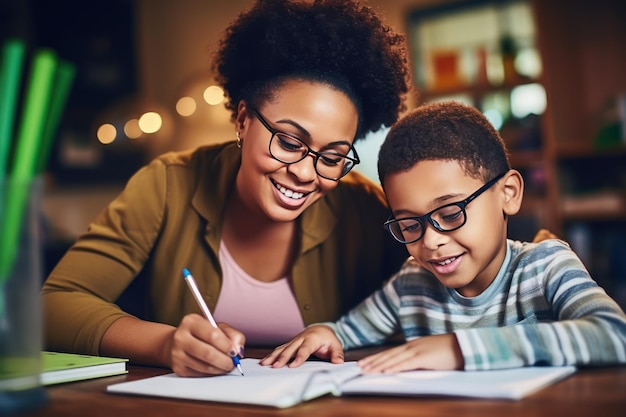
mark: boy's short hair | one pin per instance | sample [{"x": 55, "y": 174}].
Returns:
[{"x": 446, "y": 130}]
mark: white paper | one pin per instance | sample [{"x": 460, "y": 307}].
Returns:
[
  {"x": 286, "y": 387},
  {"x": 261, "y": 385},
  {"x": 510, "y": 384}
]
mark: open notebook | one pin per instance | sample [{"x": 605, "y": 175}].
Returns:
[{"x": 286, "y": 387}]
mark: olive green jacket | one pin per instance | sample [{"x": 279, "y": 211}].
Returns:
[{"x": 168, "y": 218}]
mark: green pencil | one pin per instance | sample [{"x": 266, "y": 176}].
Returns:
[
  {"x": 23, "y": 169},
  {"x": 10, "y": 75},
  {"x": 60, "y": 92}
]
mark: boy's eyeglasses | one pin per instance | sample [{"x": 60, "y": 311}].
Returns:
[
  {"x": 444, "y": 219},
  {"x": 337, "y": 159}
]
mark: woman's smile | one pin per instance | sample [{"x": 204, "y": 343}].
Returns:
[{"x": 289, "y": 192}]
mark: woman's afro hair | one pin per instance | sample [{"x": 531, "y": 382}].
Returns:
[{"x": 337, "y": 42}]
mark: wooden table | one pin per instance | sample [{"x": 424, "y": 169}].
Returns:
[{"x": 589, "y": 392}]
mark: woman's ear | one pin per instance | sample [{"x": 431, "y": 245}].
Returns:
[
  {"x": 513, "y": 192},
  {"x": 242, "y": 116}
]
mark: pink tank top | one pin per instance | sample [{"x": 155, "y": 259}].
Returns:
[{"x": 266, "y": 312}]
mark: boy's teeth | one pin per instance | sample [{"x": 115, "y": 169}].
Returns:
[
  {"x": 447, "y": 261},
  {"x": 289, "y": 193}
]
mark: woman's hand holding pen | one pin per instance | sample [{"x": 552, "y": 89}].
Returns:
[
  {"x": 199, "y": 349},
  {"x": 318, "y": 340}
]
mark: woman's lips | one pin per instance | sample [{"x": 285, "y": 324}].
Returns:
[
  {"x": 290, "y": 197},
  {"x": 289, "y": 192}
]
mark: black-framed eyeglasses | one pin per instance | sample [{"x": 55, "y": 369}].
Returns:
[
  {"x": 444, "y": 219},
  {"x": 337, "y": 158}
]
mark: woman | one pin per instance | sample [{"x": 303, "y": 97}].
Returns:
[{"x": 275, "y": 230}]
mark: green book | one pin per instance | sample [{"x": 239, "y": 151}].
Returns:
[{"x": 58, "y": 367}]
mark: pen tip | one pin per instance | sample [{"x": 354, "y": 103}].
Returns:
[
  {"x": 238, "y": 364},
  {"x": 186, "y": 272}
]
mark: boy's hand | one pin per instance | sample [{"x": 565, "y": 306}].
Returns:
[
  {"x": 439, "y": 352},
  {"x": 319, "y": 340}
]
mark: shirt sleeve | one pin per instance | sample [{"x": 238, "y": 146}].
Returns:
[
  {"x": 372, "y": 322},
  {"x": 590, "y": 328},
  {"x": 78, "y": 297}
]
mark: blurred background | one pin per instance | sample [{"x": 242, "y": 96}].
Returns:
[{"x": 550, "y": 75}]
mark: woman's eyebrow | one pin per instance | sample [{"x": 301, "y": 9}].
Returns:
[
  {"x": 305, "y": 133},
  {"x": 290, "y": 122}
]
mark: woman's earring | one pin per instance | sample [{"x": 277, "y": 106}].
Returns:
[{"x": 238, "y": 140}]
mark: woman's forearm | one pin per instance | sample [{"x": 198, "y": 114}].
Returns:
[{"x": 142, "y": 342}]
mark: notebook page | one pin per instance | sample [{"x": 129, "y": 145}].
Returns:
[
  {"x": 261, "y": 385},
  {"x": 503, "y": 384}
]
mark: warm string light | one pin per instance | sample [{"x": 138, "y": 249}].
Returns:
[{"x": 151, "y": 122}]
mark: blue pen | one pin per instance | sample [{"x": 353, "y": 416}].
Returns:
[{"x": 191, "y": 282}]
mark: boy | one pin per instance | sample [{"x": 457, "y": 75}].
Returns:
[{"x": 467, "y": 298}]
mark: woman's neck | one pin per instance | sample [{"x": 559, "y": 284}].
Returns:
[{"x": 264, "y": 248}]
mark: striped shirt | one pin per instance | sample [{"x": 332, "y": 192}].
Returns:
[{"x": 543, "y": 308}]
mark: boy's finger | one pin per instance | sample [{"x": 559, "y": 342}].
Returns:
[
  {"x": 271, "y": 358},
  {"x": 336, "y": 354},
  {"x": 301, "y": 356}
]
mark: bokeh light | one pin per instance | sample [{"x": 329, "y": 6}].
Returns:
[
  {"x": 186, "y": 106},
  {"x": 106, "y": 133},
  {"x": 150, "y": 122},
  {"x": 131, "y": 129},
  {"x": 213, "y": 95}
]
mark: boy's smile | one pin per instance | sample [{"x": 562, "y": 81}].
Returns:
[
  {"x": 447, "y": 265},
  {"x": 468, "y": 258}
]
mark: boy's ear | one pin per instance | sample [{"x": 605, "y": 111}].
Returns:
[{"x": 513, "y": 192}]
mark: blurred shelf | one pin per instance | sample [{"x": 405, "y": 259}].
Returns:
[
  {"x": 605, "y": 205},
  {"x": 526, "y": 158},
  {"x": 425, "y": 94},
  {"x": 582, "y": 150}
]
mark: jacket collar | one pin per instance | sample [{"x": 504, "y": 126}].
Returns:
[{"x": 218, "y": 167}]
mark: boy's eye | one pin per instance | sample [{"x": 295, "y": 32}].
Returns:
[
  {"x": 412, "y": 227},
  {"x": 451, "y": 217}
]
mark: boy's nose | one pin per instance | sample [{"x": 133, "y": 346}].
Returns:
[{"x": 433, "y": 238}]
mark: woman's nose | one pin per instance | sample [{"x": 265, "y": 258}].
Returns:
[{"x": 304, "y": 169}]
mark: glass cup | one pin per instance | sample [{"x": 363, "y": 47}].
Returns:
[{"x": 20, "y": 305}]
